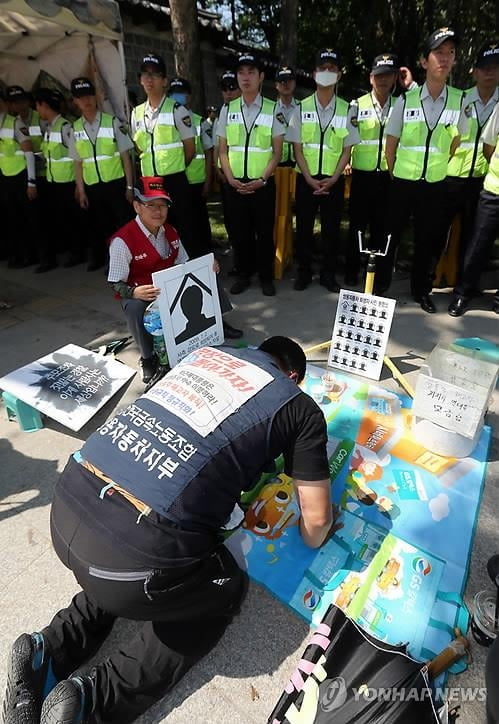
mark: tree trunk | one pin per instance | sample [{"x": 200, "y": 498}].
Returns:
[
  {"x": 186, "y": 48},
  {"x": 287, "y": 32}
]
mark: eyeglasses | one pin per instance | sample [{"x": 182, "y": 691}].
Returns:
[
  {"x": 153, "y": 76},
  {"x": 161, "y": 205}
]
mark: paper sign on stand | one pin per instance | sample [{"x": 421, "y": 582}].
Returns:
[
  {"x": 69, "y": 385},
  {"x": 445, "y": 404},
  {"x": 360, "y": 334},
  {"x": 189, "y": 307}
]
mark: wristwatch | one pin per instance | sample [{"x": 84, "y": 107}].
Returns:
[
  {"x": 263, "y": 180},
  {"x": 32, "y": 182}
]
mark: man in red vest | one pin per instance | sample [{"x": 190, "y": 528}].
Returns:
[{"x": 145, "y": 245}]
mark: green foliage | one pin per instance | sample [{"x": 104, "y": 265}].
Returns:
[{"x": 360, "y": 30}]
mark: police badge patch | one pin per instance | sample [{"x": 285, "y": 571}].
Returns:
[
  {"x": 186, "y": 120},
  {"x": 468, "y": 111},
  {"x": 281, "y": 119}
]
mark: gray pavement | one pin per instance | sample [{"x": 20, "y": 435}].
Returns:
[{"x": 240, "y": 681}]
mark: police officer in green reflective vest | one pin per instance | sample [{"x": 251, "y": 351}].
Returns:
[
  {"x": 323, "y": 130},
  {"x": 250, "y": 147},
  {"x": 285, "y": 83},
  {"x": 165, "y": 138},
  {"x": 104, "y": 174},
  {"x": 63, "y": 226},
  {"x": 486, "y": 227},
  {"x": 370, "y": 178},
  {"x": 468, "y": 166},
  {"x": 200, "y": 170},
  {"x": 18, "y": 190},
  {"x": 422, "y": 135}
]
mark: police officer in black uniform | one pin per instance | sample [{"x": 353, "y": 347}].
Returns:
[{"x": 137, "y": 514}]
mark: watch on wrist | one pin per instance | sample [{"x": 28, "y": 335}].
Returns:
[
  {"x": 129, "y": 188},
  {"x": 32, "y": 181},
  {"x": 263, "y": 180}
]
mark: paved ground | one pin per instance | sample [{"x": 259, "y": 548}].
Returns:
[{"x": 243, "y": 677}]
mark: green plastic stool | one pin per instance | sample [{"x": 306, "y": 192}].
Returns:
[{"x": 28, "y": 418}]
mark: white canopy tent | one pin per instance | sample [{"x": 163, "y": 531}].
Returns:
[{"x": 65, "y": 39}]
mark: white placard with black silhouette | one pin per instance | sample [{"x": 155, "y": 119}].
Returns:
[
  {"x": 189, "y": 307},
  {"x": 69, "y": 385},
  {"x": 360, "y": 334}
]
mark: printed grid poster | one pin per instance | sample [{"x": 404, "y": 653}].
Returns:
[
  {"x": 360, "y": 334},
  {"x": 189, "y": 307},
  {"x": 69, "y": 385}
]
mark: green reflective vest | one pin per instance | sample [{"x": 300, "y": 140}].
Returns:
[
  {"x": 468, "y": 160},
  {"x": 101, "y": 161},
  {"x": 60, "y": 167},
  {"x": 162, "y": 151},
  {"x": 196, "y": 170},
  {"x": 369, "y": 154},
  {"x": 250, "y": 151},
  {"x": 36, "y": 135},
  {"x": 322, "y": 148},
  {"x": 491, "y": 182},
  {"x": 423, "y": 153},
  {"x": 12, "y": 159}
]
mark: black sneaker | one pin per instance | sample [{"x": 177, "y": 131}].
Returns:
[
  {"x": 29, "y": 679},
  {"x": 69, "y": 703},
  {"x": 268, "y": 288},
  {"x": 240, "y": 285},
  {"x": 148, "y": 367},
  {"x": 328, "y": 281}
]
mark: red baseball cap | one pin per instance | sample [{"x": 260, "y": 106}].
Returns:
[{"x": 149, "y": 188}]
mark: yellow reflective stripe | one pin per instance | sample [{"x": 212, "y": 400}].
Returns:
[
  {"x": 422, "y": 149},
  {"x": 6, "y": 133},
  {"x": 466, "y": 145},
  {"x": 264, "y": 119},
  {"x": 91, "y": 159},
  {"x": 66, "y": 159},
  {"x": 373, "y": 142},
  {"x": 16, "y": 153},
  {"x": 199, "y": 156},
  {"x": 312, "y": 145},
  {"x": 166, "y": 118},
  {"x": 35, "y": 131},
  {"x": 54, "y": 137},
  {"x": 105, "y": 132}
]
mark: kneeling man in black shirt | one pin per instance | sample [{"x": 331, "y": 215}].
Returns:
[{"x": 137, "y": 515}]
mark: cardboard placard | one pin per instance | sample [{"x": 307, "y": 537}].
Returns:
[
  {"x": 360, "y": 334},
  {"x": 189, "y": 307},
  {"x": 69, "y": 385}
]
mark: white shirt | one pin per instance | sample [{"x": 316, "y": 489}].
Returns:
[
  {"x": 325, "y": 114},
  {"x": 123, "y": 140},
  {"x": 491, "y": 131},
  {"x": 181, "y": 117},
  {"x": 483, "y": 110},
  {"x": 432, "y": 109},
  {"x": 250, "y": 112},
  {"x": 120, "y": 255}
]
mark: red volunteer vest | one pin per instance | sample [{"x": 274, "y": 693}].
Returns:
[{"x": 145, "y": 258}]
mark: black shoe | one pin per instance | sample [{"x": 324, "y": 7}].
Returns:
[
  {"x": 426, "y": 303},
  {"x": 458, "y": 306},
  {"x": 352, "y": 278},
  {"x": 495, "y": 307},
  {"x": 161, "y": 371},
  {"x": 302, "y": 281},
  {"x": 240, "y": 286},
  {"x": 268, "y": 289},
  {"x": 48, "y": 266},
  {"x": 328, "y": 281},
  {"x": 72, "y": 261},
  {"x": 231, "y": 332},
  {"x": 29, "y": 679},
  {"x": 148, "y": 367},
  {"x": 70, "y": 702}
]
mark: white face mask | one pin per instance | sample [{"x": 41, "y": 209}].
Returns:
[{"x": 326, "y": 78}]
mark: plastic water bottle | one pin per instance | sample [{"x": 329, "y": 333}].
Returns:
[{"x": 152, "y": 324}]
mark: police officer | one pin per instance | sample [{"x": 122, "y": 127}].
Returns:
[
  {"x": 369, "y": 191},
  {"x": 323, "y": 130},
  {"x": 422, "y": 135},
  {"x": 19, "y": 101},
  {"x": 163, "y": 133},
  {"x": 137, "y": 515},
  {"x": 486, "y": 225},
  {"x": 104, "y": 174},
  {"x": 468, "y": 166},
  {"x": 250, "y": 147},
  {"x": 17, "y": 185},
  {"x": 200, "y": 170},
  {"x": 230, "y": 91},
  {"x": 285, "y": 83},
  {"x": 64, "y": 223}
]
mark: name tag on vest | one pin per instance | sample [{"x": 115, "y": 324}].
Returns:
[
  {"x": 236, "y": 117},
  {"x": 207, "y": 386},
  {"x": 366, "y": 113},
  {"x": 413, "y": 115},
  {"x": 309, "y": 117},
  {"x": 140, "y": 125}
]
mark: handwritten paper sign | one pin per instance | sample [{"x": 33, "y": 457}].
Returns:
[
  {"x": 360, "y": 334},
  {"x": 69, "y": 385},
  {"x": 448, "y": 405}
]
